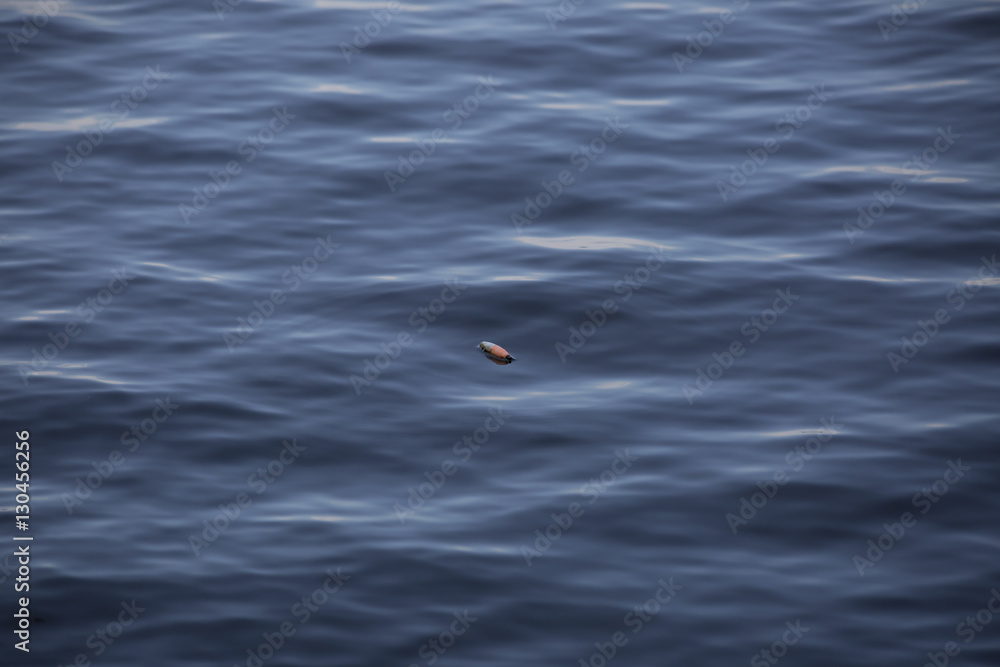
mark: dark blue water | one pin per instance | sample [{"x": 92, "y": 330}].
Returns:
[{"x": 248, "y": 253}]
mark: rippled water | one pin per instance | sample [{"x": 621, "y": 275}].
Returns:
[{"x": 249, "y": 251}]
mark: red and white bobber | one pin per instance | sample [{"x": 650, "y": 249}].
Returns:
[{"x": 495, "y": 353}]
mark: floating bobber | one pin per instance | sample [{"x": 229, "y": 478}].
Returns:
[{"x": 495, "y": 353}]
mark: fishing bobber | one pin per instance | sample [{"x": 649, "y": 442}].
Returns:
[{"x": 495, "y": 353}]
